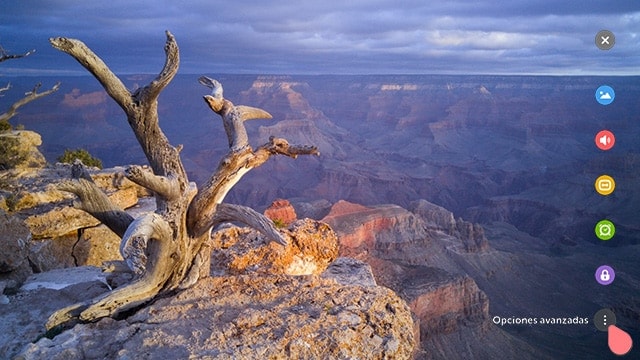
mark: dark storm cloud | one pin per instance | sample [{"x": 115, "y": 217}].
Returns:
[{"x": 379, "y": 36}]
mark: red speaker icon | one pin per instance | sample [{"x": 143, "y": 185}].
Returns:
[{"x": 605, "y": 140}]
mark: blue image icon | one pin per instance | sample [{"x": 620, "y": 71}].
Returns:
[{"x": 605, "y": 95}]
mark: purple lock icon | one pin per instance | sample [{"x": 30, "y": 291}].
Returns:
[{"x": 605, "y": 275}]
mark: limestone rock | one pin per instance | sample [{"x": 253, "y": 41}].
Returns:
[
  {"x": 436, "y": 216},
  {"x": 312, "y": 247},
  {"x": 14, "y": 239},
  {"x": 61, "y": 235},
  {"x": 14, "y": 242},
  {"x": 20, "y": 150},
  {"x": 410, "y": 253},
  {"x": 85, "y": 246},
  {"x": 24, "y": 314},
  {"x": 96, "y": 245},
  {"x": 444, "y": 306},
  {"x": 348, "y": 271},
  {"x": 471, "y": 236},
  {"x": 248, "y": 317},
  {"x": 64, "y": 219},
  {"x": 49, "y": 254},
  {"x": 59, "y": 222},
  {"x": 281, "y": 211},
  {"x": 384, "y": 229},
  {"x": 317, "y": 209},
  {"x": 25, "y": 199},
  {"x": 62, "y": 278}
]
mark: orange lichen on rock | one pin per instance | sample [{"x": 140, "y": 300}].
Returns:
[{"x": 313, "y": 245}]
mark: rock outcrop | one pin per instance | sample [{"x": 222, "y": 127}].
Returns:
[
  {"x": 312, "y": 246},
  {"x": 59, "y": 235},
  {"x": 14, "y": 242},
  {"x": 381, "y": 229},
  {"x": 248, "y": 317},
  {"x": 443, "y": 307},
  {"x": 251, "y": 308},
  {"x": 24, "y": 313},
  {"x": 349, "y": 271},
  {"x": 19, "y": 150},
  {"x": 281, "y": 212},
  {"x": 410, "y": 252},
  {"x": 340, "y": 314},
  {"x": 440, "y": 219}
]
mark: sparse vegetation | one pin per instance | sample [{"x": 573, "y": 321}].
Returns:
[
  {"x": 280, "y": 224},
  {"x": 5, "y": 126},
  {"x": 10, "y": 153},
  {"x": 10, "y": 201},
  {"x": 83, "y": 155}
]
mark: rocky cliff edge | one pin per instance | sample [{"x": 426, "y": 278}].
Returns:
[
  {"x": 263, "y": 301},
  {"x": 338, "y": 315}
]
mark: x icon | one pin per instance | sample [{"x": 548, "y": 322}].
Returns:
[{"x": 605, "y": 40}]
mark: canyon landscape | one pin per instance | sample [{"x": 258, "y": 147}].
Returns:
[{"x": 471, "y": 197}]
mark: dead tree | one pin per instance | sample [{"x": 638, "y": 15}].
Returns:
[
  {"x": 169, "y": 249},
  {"x": 4, "y": 55},
  {"x": 29, "y": 96}
]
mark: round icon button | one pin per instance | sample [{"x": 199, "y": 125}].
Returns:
[
  {"x": 605, "y": 230},
  {"x": 605, "y": 275},
  {"x": 605, "y": 185},
  {"x": 605, "y": 40},
  {"x": 603, "y": 319},
  {"x": 605, "y": 95},
  {"x": 605, "y": 140}
]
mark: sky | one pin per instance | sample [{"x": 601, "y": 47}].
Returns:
[{"x": 545, "y": 37}]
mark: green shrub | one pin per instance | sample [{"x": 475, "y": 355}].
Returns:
[
  {"x": 83, "y": 155},
  {"x": 279, "y": 223},
  {"x": 10, "y": 153},
  {"x": 5, "y": 126}
]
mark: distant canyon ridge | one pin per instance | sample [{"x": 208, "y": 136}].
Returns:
[{"x": 515, "y": 149}]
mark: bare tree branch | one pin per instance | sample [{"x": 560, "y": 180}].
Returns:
[
  {"x": 248, "y": 216},
  {"x": 172, "y": 62},
  {"x": 6, "y": 88},
  {"x": 29, "y": 97},
  {"x": 240, "y": 159},
  {"x": 134, "y": 242},
  {"x": 4, "y": 56},
  {"x": 278, "y": 146},
  {"x": 165, "y": 186},
  {"x": 87, "y": 58},
  {"x": 94, "y": 201},
  {"x": 141, "y": 108},
  {"x": 233, "y": 117}
]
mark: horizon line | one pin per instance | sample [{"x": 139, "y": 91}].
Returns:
[{"x": 83, "y": 74}]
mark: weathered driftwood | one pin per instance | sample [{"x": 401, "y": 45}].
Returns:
[{"x": 169, "y": 249}]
